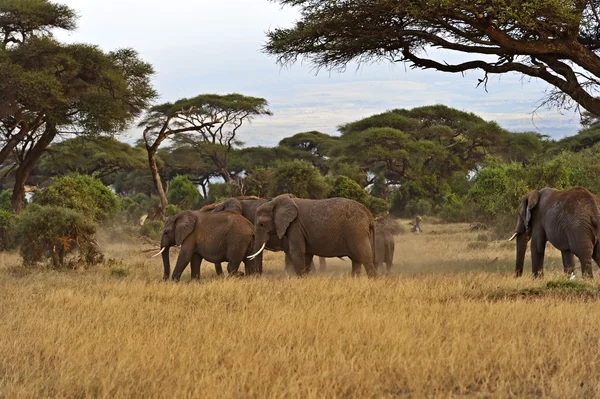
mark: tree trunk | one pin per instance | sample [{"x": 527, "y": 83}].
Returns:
[
  {"x": 25, "y": 167},
  {"x": 225, "y": 175},
  {"x": 157, "y": 183}
]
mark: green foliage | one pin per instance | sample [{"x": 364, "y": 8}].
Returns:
[
  {"x": 171, "y": 210},
  {"x": 52, "y": 232},
  {"x": 377, "y": 206},
  {"x": 103, "y": 157},
  {"x": 258, "y": 183},
  {"x": 152, "y": 229},
  {"x": 331, "y": 34},
  {"x": 454, "y": 209},
  {"x": 82, "y": 193},
  {"x": 218, "y": 192},
  {"x": 183, "y": 193},
  {"x": 419, "y": 207},
  {"x": 299, "y": 178},
  {"x": 7, "y": 233},
  {"x": 5, "y": 204},
  {"x": 348, "y": 188}
]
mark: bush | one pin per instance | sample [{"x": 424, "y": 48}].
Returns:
[
  {"x": 299, "y": 178},
  {"x": 454, "y": 210},
  {"x": 419, "y": 207},
  {"x": 183, "y": 193},
  {"x": 52, "y": 232},
  {"x": 347, "y": 188},
  {"x": 5, "y": 203},
  {"x": 82, "y": 193},
  {"x": 152, "y": 229},
  {"x": 377, "y": 206},
  {"x": 171, "y": 210},
  {"x": 7, "y": 226}
]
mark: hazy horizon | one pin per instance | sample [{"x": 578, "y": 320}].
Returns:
[{"x": 215, "y": 47}]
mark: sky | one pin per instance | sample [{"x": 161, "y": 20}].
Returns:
[{"x": 214, "y": 46}]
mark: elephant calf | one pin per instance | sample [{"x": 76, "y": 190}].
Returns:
[
  {"x": 216, "y": 237},
  {"x": 384, "y": 248}
]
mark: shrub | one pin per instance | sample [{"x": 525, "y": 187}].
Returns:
[
  {"x": 377, "y": 206},
  {"x": 7, "y": 225},
  {"x": 418, "y": 207},
  {"x": 5, "y": 203},
  {"x": 346, "y": 187},
  {"x": 82, "y": 193},
  {"x": 183, "y": 193},
  {"x": 171, "y": 210},
  {"x": 152, "y": 229},
  {"x": 453, "y": 209},
  {"x": 299, "y": 178},
  {"x": 52, "y": 232}
]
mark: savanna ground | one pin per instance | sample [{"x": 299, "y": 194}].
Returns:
[{"x": 450, "y": 322}]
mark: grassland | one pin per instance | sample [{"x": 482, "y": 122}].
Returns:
[{"x": 450, "y": 322}]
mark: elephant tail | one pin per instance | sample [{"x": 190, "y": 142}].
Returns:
[{"x": 372, "y": 239}]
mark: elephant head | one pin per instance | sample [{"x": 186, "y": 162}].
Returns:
[
  {"x": 273, "y": 217},
  {"x": 175, "y": 231},
  {"x": 523, "y": 229}
]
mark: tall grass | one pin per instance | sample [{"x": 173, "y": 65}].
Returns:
[{"x": 451, "y": 321}]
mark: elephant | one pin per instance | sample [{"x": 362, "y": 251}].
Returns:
[
  {"x": 333, "y": 227},
  {"x": 216, "y": 237},
  {"x": 384, "y": 248},
  {"x": 569, "y": 219},
  {"x": 247, "y": 206}
]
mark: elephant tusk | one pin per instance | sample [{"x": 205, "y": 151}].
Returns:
[
  {"x": 161, "y": 251},
  {"x": 259, "y": 251},
  {"x": 513, "y": 237}
]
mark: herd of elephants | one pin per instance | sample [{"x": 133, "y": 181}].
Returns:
[{"x": 239, "y": 229}]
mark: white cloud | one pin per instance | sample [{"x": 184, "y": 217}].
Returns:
[{"x": 214, "y": 46}]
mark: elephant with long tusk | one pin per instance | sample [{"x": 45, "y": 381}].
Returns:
[{"x": 216, "y": 237}]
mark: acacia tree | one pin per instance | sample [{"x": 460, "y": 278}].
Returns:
[
  {"x": 556, "y": 41},
  {"x": 50, "y": 89},
  {"x": 214, "y": 120}
]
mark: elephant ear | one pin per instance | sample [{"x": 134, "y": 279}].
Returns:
[
  {"x": 184, "y": 226},
  {"x": 232, "y": 205},
  {"x": 284, "y": 213},
  {"x": 532, "y": 199}
]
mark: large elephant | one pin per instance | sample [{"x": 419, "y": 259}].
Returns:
[
  {"x": 332, "y": 227},
  {"x": 216, "y": 237},
  {"x": 247, "y": 206},
  {"x": 569, "y": 219}
]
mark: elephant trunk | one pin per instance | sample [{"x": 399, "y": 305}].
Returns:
[{"x": 522, "y": 240}]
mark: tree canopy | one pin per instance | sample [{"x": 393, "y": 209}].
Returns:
[{"x": 555, "y": 41}]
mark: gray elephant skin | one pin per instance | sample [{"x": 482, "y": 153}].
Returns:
[
  {"x": 216, "y": 237},
  {"x": 247, "y": 206},
  {"x": 569, "y": 219},
  {"x": 384, "y": 248},
  {"x": 332, "y": 227}
]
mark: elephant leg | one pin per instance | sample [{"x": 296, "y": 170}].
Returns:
[
  {"x": 258, "y": 263},
  {"x": 185, "y": 256},
  {"x": 308, "y": 261},
  {"x": 596, "y": 253},
  {"x": 568, "y": 260},
  {"x": 355, "y": 268},
  {"x": 232, "y": 267},
  {"x": 585, "y": 258},
  {"x": 195, "y": 264},
  {"x": 322, "y": 264},
  {"x": 537, "y": 258},
  {"x": 298, "y": 260},
  {"x": 218, "y": 268},
  {"x": 289, "y": 266}
]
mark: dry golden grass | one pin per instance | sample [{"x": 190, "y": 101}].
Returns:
[{"x": 451, "y": 322}]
